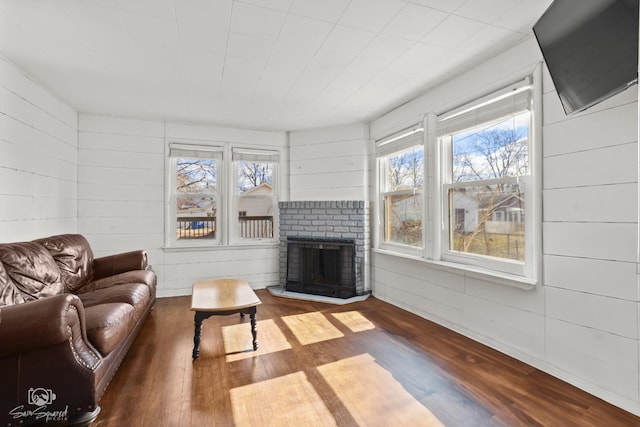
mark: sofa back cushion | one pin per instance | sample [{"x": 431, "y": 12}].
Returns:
[
  {"x": 9, "y": 294},
  {"x": 74, "y": 257},
  {"x": 32, "y": 269}
]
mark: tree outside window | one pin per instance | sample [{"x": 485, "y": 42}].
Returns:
[
  {"x": 254, "y": 174},
  {"x": 196, "y": 198},
  {"x": 487, "y": 203},
  {"x": 220, "y": 195},
  {"x": 256, "y": 201},
  {"x": 483, "y": 213},
  {"x": 402, "y": 196}
]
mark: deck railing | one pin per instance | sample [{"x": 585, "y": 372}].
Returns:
[
  {"x": 256, "y": 227},
  {"x": 196, "y": 227},
  {"x": 204, "y": 227}
]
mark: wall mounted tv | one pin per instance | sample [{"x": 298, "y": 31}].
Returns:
[{"x": 591, "y": 49}]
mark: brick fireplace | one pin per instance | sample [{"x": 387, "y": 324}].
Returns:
[{"x": 325, "y": 238}]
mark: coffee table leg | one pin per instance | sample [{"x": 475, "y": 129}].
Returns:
[
  {"x": 254, "y": 330},
  {"x": 196, "y": 336}
]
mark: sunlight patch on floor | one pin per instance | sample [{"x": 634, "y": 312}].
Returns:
[
  {"x": 310, "y": 328},
  {"x": 372, "y": 396},
  {"x": 238, "y": 342},
  {"x": 290, "y": 400},
  {"x": 354, "y": 320}
]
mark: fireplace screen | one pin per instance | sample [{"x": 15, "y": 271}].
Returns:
[{"x": 321, "y": 266}]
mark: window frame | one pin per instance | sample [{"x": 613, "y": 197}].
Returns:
[
  {"x": 217, "y": 153},
  {"x": 443, "y": 140},
  {"x": 272, "y": 157},
  {"x": 435, "y": 218},
  {"x": 226, "y": 197},
  {"x": 397, "y": 142}
]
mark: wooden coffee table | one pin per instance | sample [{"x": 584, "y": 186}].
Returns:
[{"x": 222, "y": 297}]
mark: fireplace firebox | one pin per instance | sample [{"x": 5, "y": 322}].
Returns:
[{"x": 321, "y": 266}]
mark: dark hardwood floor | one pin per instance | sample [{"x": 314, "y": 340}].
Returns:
[{"x": 368, "y": 364}]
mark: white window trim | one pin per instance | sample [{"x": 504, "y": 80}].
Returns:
[
  {"x": 388, "y": 145},
  {"x": 467, "y": 270},
  {"x": 501, "y": 266},
  {"x": 434, "y": 226},
  {"x": 226, "y": 198},
  {"x": 170, "y": 212},
  {"x": 234, "y": 224}
]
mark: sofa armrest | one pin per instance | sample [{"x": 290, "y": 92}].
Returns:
[
  {"x": 43, "y": 323},
  {"x": 119, "y": 263}
]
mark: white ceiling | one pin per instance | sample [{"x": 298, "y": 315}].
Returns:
[{"x": 256, "y": 64}]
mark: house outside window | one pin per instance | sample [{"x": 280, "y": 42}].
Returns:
[
  {"x": 220, "y": 195},
  {"x": 479, "y": 207},
  {"x": 194, "y": 198},
  {"x": 401, "y": 178},
  {"x": 486, "y": 181},
  {"x": 255, "y": 197}
]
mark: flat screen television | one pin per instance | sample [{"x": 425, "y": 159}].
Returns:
[{"x": 590, "y": 48}]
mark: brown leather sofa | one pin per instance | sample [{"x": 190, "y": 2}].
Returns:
[{"x": 66, "y": 322}]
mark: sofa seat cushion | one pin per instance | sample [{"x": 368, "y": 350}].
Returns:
[
  {"x": 137, "y": 276},
  {"x": 32, "y": 270},
  {"x": 135, "y": 294},
  {"x": 108, "y": 325}
]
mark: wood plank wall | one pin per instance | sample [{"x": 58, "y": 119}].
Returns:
[
  {"x": 590, "y": 241},
  {"x": 38, "y": 159},
  {"x": 121, "y": 184},
  {"x": 330, "y": 164}
]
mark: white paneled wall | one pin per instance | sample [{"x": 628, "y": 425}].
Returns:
[
  {"x": 580, "y": 322},
  {"x": 121, "y": 199},
  {"x": 330, "y": 164},
  {"x": 121, "y": 184},
  {"x": 38, "y": 159},
  {"x": 591, "y": 243}
]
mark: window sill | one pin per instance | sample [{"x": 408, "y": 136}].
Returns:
[
  {"x": 232, "y": 247},
  {"x": 470, "y": 271}
]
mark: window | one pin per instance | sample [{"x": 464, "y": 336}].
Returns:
[
  {"x": 478, "y": 208},
  {"x": 401, "y": 182},
  {"x": 486, "y": 177},
  {"x": 194, "y": 193},
  {"x": 255, "y": 198},
  {"x": 220, "y": 194}
]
